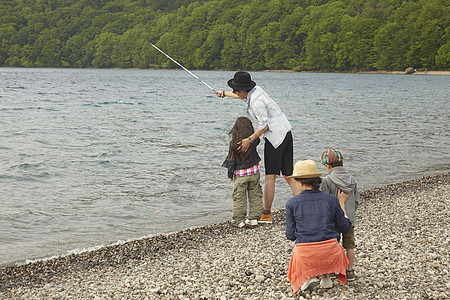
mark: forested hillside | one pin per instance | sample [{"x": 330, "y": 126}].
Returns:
[{"x": 345, "y": 35}]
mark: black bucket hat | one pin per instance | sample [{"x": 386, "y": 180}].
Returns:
[{"x": 241, "y": 82}]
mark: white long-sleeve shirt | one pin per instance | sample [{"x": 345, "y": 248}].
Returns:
[{"x": 266, "y": 112}]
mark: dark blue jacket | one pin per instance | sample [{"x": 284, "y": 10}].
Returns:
[
  {"x": 249, "y": 160},
  {"x": 314, "y": 216}
]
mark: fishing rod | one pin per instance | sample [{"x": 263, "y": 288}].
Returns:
[{"x": 184, "y": 68}]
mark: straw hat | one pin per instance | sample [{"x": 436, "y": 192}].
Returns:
[{"x": 305, "y": 169}]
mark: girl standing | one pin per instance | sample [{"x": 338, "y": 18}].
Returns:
[{"x": 243, "y": 169}]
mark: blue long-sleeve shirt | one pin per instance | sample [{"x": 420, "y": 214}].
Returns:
[{"x": 314, "y": 216}]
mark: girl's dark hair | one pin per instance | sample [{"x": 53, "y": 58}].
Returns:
[
  {"x": 242, "y": 128},
  {"x": 312, "y": 182}
]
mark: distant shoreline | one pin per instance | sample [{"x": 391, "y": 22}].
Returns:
[
  {"x": 445, "y": 73},
  {"x": 403, "y": 73}
]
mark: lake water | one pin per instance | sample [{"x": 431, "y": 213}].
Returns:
[{"x": 96, "y": 157}]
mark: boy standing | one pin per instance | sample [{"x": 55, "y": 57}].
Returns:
[{"x": 339, "y": 179}]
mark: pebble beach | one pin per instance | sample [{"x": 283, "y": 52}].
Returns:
[{"x": 403, "y": 243}]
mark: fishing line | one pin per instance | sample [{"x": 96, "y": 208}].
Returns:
[{"x": 184, "y": 68}]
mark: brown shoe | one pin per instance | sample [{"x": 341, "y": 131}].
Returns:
[{"x": 266, "y": 218}]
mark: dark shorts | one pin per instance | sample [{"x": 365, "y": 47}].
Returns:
[{"x": 281, "y": 158}]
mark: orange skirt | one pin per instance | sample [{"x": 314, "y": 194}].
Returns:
[{"x": 314, "y": 259}]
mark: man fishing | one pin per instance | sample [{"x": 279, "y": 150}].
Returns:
[{"x": 278, "y": 148}]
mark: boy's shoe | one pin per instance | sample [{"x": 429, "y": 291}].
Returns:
[
  {"x": 251, "y": 222},
  {"x": 326, "y": 283},
  {"x": 350, "y": 275},
  {"x": 265, "y": 218},
  {"x": 309, "y": 284}
]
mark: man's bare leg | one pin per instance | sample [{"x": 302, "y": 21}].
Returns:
[
  {"x": 293, "y": 185},
  {"x": 269, "y": 191}
]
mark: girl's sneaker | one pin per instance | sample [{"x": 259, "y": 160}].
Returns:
[
  {"x": 251, "y": 222},
  {"x": 241, "y": 225}
]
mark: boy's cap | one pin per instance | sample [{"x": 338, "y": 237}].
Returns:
[{"x": 331, "y": 156}]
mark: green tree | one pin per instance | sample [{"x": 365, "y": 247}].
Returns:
[
  {"x": 214, "y": 46},
  {"x": 48, "y": 49},
  {"x": 276, "y": 51},
  {"x": 13, "y": 59},
  {"x": 322, "y": 26},
  {"x": 141, "y": 50},
  {"x": 253, "y": 56},
  {"x": 170, "y": 42},
  {"x": 355, "y": 50},
  {"x": 196, "y": 46},
  {"x": 389, "y": 45},
  {"x": 443, "y": 54},
  {"x": 26, "y": 56},
  {"x": 122, "y": 55},
  {"x": 72, "y": 52},
  {"x": 231, "y": 52},
  {"x": 293, "y": 38},
  {"x": 428, "y": 36},
  {"x": 104, "y": 45}
]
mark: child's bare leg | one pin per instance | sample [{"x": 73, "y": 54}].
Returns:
[{"x": 351, "y": 258}]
